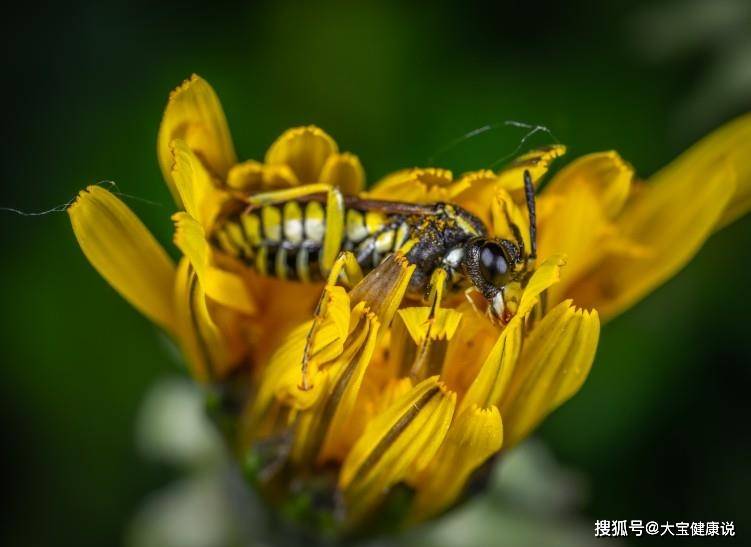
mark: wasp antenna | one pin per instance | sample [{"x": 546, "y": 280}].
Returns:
[{"x": 529, "y": 191}]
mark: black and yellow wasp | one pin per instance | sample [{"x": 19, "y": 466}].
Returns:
[{"x": 313, "y": 232}]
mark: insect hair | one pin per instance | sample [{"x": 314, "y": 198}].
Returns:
[
  {"x": 532, "y": 129},
  {"x": 61, "y": 208}
]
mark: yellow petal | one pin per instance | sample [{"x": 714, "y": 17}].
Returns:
[
  {"x": 221, "y": 286},
  {"x": 252, "y": 176},
  {"x": 428, "y": 185},
  {"x": 467, "y": 350},
  {"x": 604, "y": 174},
  {"x": 670, "y": 217},
  {"x": 328, "y": 431},
  {"x": 537, "y": 162},
  {"x": 194, "y": 115},
  {"x": 442, "y": 327},
  {"x": 305, "y": 150},
  {"x": 671, "y": 221},
  {"x": 329, "y": 341},
  {"x": 200, "y": 338},
  {"x": 401, "y": 351},
  {"x": 195, "y": 185},
  {"x": 576, "y": 210},
  {"x": 727, "y": 147},
  {"x": 578, "y": 227},
  {"x": 345, "y": 172},
  {"x": 125, "y": 253},
  {"x": 474, "y": 437},
  {"x": 347, "y": 387},
  {"x": 492, "y": 380},
  {"x": 282, "y": 376},
  {"x": 544, "y": 277},
  {"x": 401, "y": 440},
  {"x": 555, "y": 361},
  {"x": 430, "y": 336},
  {"x": 504, "y": 212},
  {"x": 478, "y": 189}
]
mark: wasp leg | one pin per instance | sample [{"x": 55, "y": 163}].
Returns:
[
  {"x": 407, "y": 246},
  {"x": 345, "y": 265},
  {"x": 275, "y": 197},
  {"x": 435, "y": 294}
]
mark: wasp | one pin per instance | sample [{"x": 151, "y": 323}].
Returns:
[{"x": 313, "y": 232}]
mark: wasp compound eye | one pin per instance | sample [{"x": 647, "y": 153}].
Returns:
[{"x": 493, "y": 264}]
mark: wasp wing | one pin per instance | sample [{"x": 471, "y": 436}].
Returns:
[{"x": 390, "y": 207}]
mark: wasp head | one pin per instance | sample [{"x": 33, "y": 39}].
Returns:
[{"x": 492, "y": 265}]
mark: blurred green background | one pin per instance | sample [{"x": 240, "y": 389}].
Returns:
[{"x": 659, "y": 431}]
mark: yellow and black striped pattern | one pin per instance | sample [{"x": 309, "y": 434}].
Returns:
[
  {"x": 286, "y": 240},
  {"x": 371, "y": 235},
  {"x": 282, "y": 241}
]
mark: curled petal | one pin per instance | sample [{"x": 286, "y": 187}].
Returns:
[
  {"x": 419, "y": 185},
  {"x": 194, "y": 115},
  {"x": 125, "y": 253},
  {"x": 399, "y": 442},
  {"x": 545, "y": 276},
  {"x": 329, "y": 342},
  {"x": 221, "y": 286},
  {"x": 555, "y": 362},
  {"x": 252, "y": 176},
  {"x": 478, "y": 189},
  {"x": 605, "y": 175},
  {"x": 579, "y": 227},
  {"x": 305, "y": 150},
  {"x": 474, "y": 437},
  {"x": 282, "y": 376},
  {"x": 325, "y": 431},
  {"x": 537, "y": 162},
  {"x": 476, "y": 194},
  {"x": 576, "y": 213},
  {"x": 195, "y": 185},
  {"x": 201, "y": 339},
  {"x": 504, "y": 213},
  {"x": 345, "y": 172}
]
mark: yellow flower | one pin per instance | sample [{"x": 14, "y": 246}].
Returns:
[{"x": 397, "y": 394}]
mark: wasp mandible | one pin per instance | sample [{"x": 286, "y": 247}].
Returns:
[{"x": 313, "y": 232}]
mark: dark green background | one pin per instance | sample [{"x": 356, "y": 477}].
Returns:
[{"x": 661, "y": 427}]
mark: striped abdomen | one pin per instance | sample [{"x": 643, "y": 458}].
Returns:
[{"x": 286, "y": 240}]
